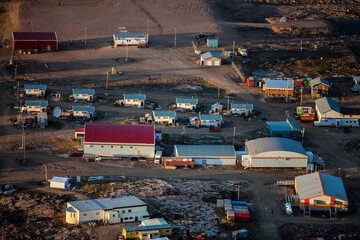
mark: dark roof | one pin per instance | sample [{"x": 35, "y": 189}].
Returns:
[{"x": 28, "y": 36}]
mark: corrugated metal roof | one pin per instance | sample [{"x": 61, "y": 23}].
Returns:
[
  {"x": 36, "y": 103},
  {"x": 270, "y": 144},
  {"x": 318, "y": 80},
  {"x": 84, "y": 91},
  {"x": 205, "y": 151},
  {"x": 84, "y": 108},
  {"x": 293, "y": 124},
  {"x": 154, "y": 221},
  {"x": 60, "y": 179},
  {"x": 35, "y": 86},
  {"x": 318, "y": 184},
  {"x": 171, "y": 114},
  {"x": 289, "y": 125},
  {"x": 326, "y": 104},
  {"x": 192, "y": 101},
  {"x": 145, "y": 228},
  {"x": 135, "y": 96},
  {"x": 279, "y": 84},
  {"x": 107, "y": 203},
  {"x": 38, "y": 36},
  {"x": 210, "y": 55},
  {"x": 210, "y": 117},
  {"x": 117, "y": 133},
  {"x": 242, "y": 106},
  {"x": 129, "y": 35}
]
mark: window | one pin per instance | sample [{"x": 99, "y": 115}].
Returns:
[
  {"x": 130, "y": 147},
  {"x": 129, "y": 210},
  {"x": 167, "y": 230},
  {"x": 123, "y": 211},
  {"x": 84, "y": 214},
  {"x": 113, "y": 215},
  {"x": 112, "y": 146},
  {"x": 97, "y": 213},
  {"x": 102, "y": 146},
  {"x": 347, "y": 121},
  {"x": 131, "y": 218},
  {"x": 126, "y": 218}
]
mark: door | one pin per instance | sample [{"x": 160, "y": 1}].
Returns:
[
  {"x": 90, "y": 98},
  {"x": 203, "y": 162},
  {"x": 136, "y": 219},
  {"x": 337, "y": 123}
]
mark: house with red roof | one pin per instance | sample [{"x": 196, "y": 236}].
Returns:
[{"x": 119, "y": 140}]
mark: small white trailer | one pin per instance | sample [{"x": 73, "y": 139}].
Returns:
[{"x": 128, "y": 39}]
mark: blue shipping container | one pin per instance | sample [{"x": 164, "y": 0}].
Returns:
[
  {"x": 238, "y": 203},
  {"x": 212, "y": 42}
]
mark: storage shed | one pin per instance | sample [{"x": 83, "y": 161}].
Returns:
[
  {"x": 207, "y": 154},
  {"x": 279, "y": 88},
  {"x": 59, "y": 182},
  {"x": 320, "y": 191},
  {"x": 116, "y": 140},
  {"x": 212, "y": 42},
  {"x": 274, "y": 152},
  {"x": 45, "y": 41},
  {"x": 287, "y": 129},
  {"x": 210, "y": 59}
]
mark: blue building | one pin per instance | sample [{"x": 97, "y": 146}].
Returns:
[{"x": 288, "y": 129}]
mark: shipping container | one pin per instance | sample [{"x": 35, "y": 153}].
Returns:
[
  {"x": 238, "y": 203},
  {"x": 180, "y": 163},
  {"x": 242, "y": 218},
  {"x": 250, "y": 82},
  {"x": 212, "y": 42},
  {"x": 240, "y": 234}
]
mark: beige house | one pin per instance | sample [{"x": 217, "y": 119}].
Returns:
[
  {"x": 186, "y": 103},
  {"x": 84, "y": 94},
  {"x": 164, "y": 117},
  {"x": 37, "y": 90},
  {"x": 210, "y": 59}
]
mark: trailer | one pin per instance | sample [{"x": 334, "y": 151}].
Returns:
[{"x": 139, "y": 40}]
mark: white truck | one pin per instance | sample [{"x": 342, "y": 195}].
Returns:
[{"x": 158, "y": 156}]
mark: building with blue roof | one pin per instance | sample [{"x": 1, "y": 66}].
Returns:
[
  {"x": 209, "y": 120},
  {"x": 187, "y": 103},
  {"x": 84, "y": 94},
  {"x": 244, "y": 109},
  {"x": 83, "y": 111},
  {"x": 164, "y": 117},
  {"x": 35, "y": 106},
  {"x": 210, "y": 59},
  {"x": 287, "y": 129},
  {"x": 149, "y": 229},
  {"x": 133, "y": 100},
  {"x": 38, "y": 90}
]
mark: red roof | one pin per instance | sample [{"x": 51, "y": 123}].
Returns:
[
  {"x": 117, "y": 133},
  {"x": 41, "y": 36},
  {"x": 80, "y": 130}
]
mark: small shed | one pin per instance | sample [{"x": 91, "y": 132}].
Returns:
[
  {"x": 212, "y": 42},
  {"x": 59, "y": 182},
  {"x": 210, "y": 59},
  {"x": 35, "y": 41}
]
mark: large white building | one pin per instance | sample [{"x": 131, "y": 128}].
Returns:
[
  {"x": 274, "y": 152},
  {"x": 110, "y": 210},
  {"x": 164, "y": 117},
  {"x": 329, "y": 114},
  {"x": 84, "y": 94},
  {"x": 207, "y": 154},
  {"x": 209, "y": 120},
  {"x": 116, "y": 140}
]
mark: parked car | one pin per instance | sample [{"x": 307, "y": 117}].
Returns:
[{"x": 215, "y": 129}]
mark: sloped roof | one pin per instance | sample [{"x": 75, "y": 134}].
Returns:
[
  {"x": 205, "y": 150},
  {"x": 318, "y": 80},
  {"x": 192, "y": 101},
  {"x": 271, "y": 144},
  {"x": 135, "y": 96},
  {"x": 59, "y": 179},
  {"x": 171, "y": 114},
  {"x": 326, "y": 104},
  {"x": 119, "y": 133},
  {"x": 154, "y": 221},
  {"x": 279, "y": 84},
  {"x": 146, "y": 228},
  {"x": 208, "y": 55},
  {"x": 210, "y": 117},
  {"x": 38, "y": 36},
  {"x": 288, "y": 125},
  {"x": 36, "y": 103},
  {"x": 129, "y": 35},
  {"x": 242, "y": 106},
  {"x": 84, "y": 91},
  {"x": 318, "y": 184},
  {"x": 83, "y": 108},
  {"x": 35, "y": 86}
]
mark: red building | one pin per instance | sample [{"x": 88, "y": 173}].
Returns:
[{"x": 45, "y": 41}]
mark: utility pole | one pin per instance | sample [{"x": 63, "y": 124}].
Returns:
[
  {"x": 233, "y": 46},
  {"x": 301, "y": 95},
  {"x": 23, "y": 138},
  {"x": 127, "y": 53},
  {"x": 85, "y": 36},
  {"x": 300, "y": 45},
  {"x": 175, "y": 38},
  {"x": 219, "y": 92},
  {"x": 228, "y": 105},
  {"x": 234, "y": 136},
  {"x": 107, "y": 80},
  {"x": 17, "y": 93},
  {"x": 46, "y": 177},
  {"x": 147, "y": 28}
]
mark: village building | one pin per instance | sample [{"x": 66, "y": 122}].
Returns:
[
  {"x": 287, "y": 129},
  {"x": 279, "y": 88},
  {"x": 117, "y": 140},
  {"x": 148, "y": 229},
  {"x": 242, "y": 109},
  {"x": 210, "y": 59},
  {"x": 84, "y": 111},
  {"x": 37, "y": 90},
  {"x": 36, "y": 106},
  {"x": 203, "y": 155},
  {"x": 274, "y": 152},
  {"x": 209, "y": 120},
  {"x": 42, "y": 119},
  {"x": 83, "y": 94},
  {"x": 130, "y": 39},
  {"x": 320, "y": 192},
  {"x": 217, "y": 108},
  {"x": 329, "y": 114},
  {"x": 165, "y": 117},
  {"x": 319, "y": 87},
  {"x": 108, "y": 210},
  {"x": 59, "y": 182},
  {"x": 133, "y": 100},
  {"x": 186, "y": 103},
  {"x": 34, "y": 41}
]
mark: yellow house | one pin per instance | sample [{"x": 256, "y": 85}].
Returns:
[{"x": 152, "y": 228}]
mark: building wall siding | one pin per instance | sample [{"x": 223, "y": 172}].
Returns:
[
  {"x": 124, "y": 150},
  {"x": 278, "y": 162}
]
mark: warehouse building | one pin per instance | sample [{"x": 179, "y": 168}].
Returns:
[
  {"x": 165, "y": 117},
  {"x": 186, "y": 103},
  {"x": 319, "y": 87},
  {"x": 108, "y": 210},
  {"x": 148, "y": 229},
  {"x": 319, "y": 191},
  {"x": 131, "y": 39},
  {"x": 274, "y": 152},
  {"x": 242, "y": 109},
  {"x": 84, "y": 111},
  {"x": 36, "y": 106},
  {"x": 329, "y": 114},
  {"x": 208, "y": 120},
  {"x": 203, "y": 155},
  {"x": 210, "y": 59},
  {"x": 116, "y": 140},
  {"x": 288, "y": 129},
  {"x": 44, "y": 41},
  {"x": 37, "y": 90},
  {"x": 84, "y": 94},
  {"x": 279, "y": 88}
]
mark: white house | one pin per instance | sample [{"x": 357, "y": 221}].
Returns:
[
  {"x": 59, "y": 182},
  {"x": 186, "y": 103},
  {"x": 133, "y": 100},
  {"x": 110, "y": 210},
  {"x": 208, "y": 120},
  {"x": 84, "y": 111},
  {"x": 274, "y": 152},
  {"x": 36, "y": 106},
  {"x": 119, "y": 140},
  {"x": 35, "y": 90},
  {"x": 242, "y": 109},
  {"x": 217, "y": 108},
  {"x": 165, "y": 117},
  {"x": 84, "y": 94},
  {"x": 129, "y": 39},
  {"x": 329, "y": 114},
  {"x": 207, "y": 154}
]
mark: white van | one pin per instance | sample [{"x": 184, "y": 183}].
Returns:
[{"x": 158, "y": 156}]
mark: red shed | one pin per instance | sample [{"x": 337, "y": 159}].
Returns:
[{"x": 35, "y": 41}]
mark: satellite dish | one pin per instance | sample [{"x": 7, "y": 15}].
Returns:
[{"x": 57, "y": 112}]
